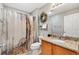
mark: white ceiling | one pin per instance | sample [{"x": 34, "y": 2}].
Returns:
[
  {"x": 28, "y": 7},
  {"x": 64, "y": 7}
]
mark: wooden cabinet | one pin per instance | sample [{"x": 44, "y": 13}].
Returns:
[
  {"x": 46, "y": 48},
  {"x": 52, "y": 49},
  {"x": 57, "y": 50}
]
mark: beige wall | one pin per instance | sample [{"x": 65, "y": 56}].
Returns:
[
  {"x": 45, "y": 8},
  {"x": 37, "y": 12}
]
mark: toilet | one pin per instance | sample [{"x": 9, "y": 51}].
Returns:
[{"x": 36, "y": 45}]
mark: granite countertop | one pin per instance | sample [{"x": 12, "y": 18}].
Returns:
[{"x": 69, "y": 44}]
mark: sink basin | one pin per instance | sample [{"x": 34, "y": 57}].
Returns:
[{"x": 58, "y": 41}]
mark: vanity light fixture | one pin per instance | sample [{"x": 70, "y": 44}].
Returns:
[
  {"x": 49, "y": 13},
  {"x": 55, "y": 5}
]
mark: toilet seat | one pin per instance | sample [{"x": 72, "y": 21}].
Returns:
[{"x": 35, "y": 46}]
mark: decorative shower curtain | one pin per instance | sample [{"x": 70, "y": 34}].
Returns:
[
  {"x": 16, "y": 28},
  {"x": 1, "y": 27},
  {"x": 29, "y": 31}
]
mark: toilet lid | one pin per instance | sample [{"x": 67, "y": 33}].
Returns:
[{"x": 36, "y": 44}]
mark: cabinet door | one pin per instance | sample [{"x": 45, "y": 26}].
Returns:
[
  {"x": 57, "y": 50},
  {"x": 46, "y": 48}
]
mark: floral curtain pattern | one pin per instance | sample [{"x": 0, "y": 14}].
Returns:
[
  {"x": 29, "y": 31},
  {"x": 15, "y": 28}
]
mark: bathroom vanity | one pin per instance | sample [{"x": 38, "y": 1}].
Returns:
[{"x": 54, "y": 47}]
